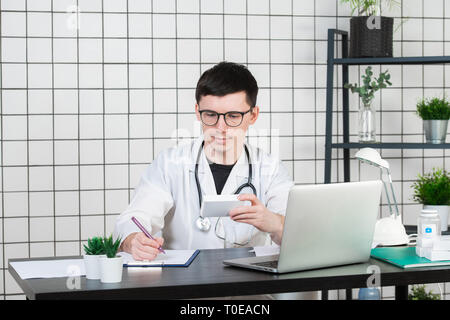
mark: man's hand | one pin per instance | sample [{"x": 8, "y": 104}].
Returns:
[
  {"x": 141, "y": 247},
  {"x": 259, "y": 216}
]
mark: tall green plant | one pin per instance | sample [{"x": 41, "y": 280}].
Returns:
[
  {"x": 111, "y": 246},
  {"x": 433, "y": 188},
  {"x": 434, "y": 109},
  {"x": 369, "y": 86}
]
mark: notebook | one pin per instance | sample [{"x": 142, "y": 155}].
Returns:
[
  {"x": 172, "y": 258},
  {"x": 404, "y": 257}
]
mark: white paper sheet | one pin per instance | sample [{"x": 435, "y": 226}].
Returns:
[
  {"x": 266, "y": 250},
  {"x": 171, "y": 257},
  {"x": 49, "y": 268}
]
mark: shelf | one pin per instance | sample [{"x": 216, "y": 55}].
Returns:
[
  {"x": 395, "y": 60},
  {"x": 390, "y": 145},
  {"x": 345, "y": 62}
]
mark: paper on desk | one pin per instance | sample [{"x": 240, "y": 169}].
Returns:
[
  {"x": 49, "y": 268},
  {"x": 171, "y": 258},
  {"x": 266, "y": 250},
  {"x": 374, "y": 245}
]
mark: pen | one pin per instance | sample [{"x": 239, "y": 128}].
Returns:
[{"x": 140, "y": 226}]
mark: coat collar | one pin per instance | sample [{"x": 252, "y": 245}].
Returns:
[{"x": 238, "y": 175}]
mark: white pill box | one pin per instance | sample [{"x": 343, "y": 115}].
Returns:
[{"x": 220, "y": 205}]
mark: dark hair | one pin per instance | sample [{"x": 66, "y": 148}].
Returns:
[{"x": 225, "y": 78}]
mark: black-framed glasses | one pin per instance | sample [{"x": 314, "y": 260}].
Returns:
[{"x": 232, "y": 118}]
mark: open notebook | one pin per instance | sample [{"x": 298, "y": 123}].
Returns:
[{"x": 172, "y": 258}]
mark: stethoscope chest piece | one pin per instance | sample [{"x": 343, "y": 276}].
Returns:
[{"x": 203, "y": 224}]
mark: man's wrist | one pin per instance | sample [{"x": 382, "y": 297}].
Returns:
[
  {"x": 276, "y": 234},
  {"x": 125, "y": 245}
]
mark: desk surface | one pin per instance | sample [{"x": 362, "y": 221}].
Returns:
[{"x": 208, "y": 277}]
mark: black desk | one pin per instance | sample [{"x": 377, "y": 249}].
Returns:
[{"x": 208, "y": 277}]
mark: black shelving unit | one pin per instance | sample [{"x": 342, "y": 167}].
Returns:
[{"x": 345, "y": 62}]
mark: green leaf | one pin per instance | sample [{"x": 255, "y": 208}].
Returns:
[
  {"x": 111, "y": 246},
  {"x": 434, "y": 109},
  {"x": 369, "y": 85},
  {"x": 432, "y": 188},
  {"x": 94, "y": 246},
  {"x": 419, "y": 293}
]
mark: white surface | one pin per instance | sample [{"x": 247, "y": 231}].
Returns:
[
  {"x": 49, "y": 268},
  {"x": 171, "y": 257},
  {"x": 442, "y": 244},
  {"x": 111, "y": 269},
  {"x": 265, "y": 250},
  {"x": 92, "y": 266},
  {"x": 389, "y": 231},
  {"x": 435, "y": 255}
]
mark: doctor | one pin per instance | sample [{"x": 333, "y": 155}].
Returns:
[{"x": 168, "y": 196}]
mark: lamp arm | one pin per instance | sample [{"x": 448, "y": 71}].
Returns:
[
  {"x": 387, "y": 193},
  {"x": 393, "y": 194}
]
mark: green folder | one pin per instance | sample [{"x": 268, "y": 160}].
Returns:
[{"x": 404, "y": 257}]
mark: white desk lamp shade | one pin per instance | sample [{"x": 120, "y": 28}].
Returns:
[
  {"x": 388, "y": 231},
  {"x": 372, "y": 157}
]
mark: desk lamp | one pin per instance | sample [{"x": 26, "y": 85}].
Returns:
[{"x": 389, "y": 231}]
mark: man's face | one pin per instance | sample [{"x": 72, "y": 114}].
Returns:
[{"x": 222, "y": 137}]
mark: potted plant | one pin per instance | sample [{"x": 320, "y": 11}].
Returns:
[
  {"x": 435, "y": 113},
  {"x": 419, "y": 293},
  {"x": 111, "y": 266},
  {"x": 433, "y": 191},
  {"x": 366, "y": 116},
  {"x": 371, "y": 34},
  {"x": 94, "y": 250}
]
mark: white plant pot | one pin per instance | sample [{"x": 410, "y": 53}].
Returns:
[
  {"x": 111, "y": 269},
  {"x": 443, "y": 215},
  {"x": 92, "y": 266}
]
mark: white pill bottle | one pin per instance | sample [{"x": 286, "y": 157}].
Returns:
[{"x": 428, "y": 229}]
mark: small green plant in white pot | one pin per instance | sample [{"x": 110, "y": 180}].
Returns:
[
  {"x": 433, "y": 191},
  {"x": 111, "y": 266},
  {"x": 435, "y": 113},
  {"x": 94, "y": 250}
]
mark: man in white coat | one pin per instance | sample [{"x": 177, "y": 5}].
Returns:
[{"x": 167, "y": 199}]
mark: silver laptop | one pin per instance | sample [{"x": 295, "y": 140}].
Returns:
[{"x": 326, "y": 225}]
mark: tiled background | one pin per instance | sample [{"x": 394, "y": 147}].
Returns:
[{"x": 92, "y": 90}]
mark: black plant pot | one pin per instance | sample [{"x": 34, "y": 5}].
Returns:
[{"x": 371, "y": 36}]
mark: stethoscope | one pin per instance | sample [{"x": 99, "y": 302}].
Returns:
[{"x": 204, "y": 224}]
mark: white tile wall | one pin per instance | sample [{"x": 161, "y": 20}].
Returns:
[{"x": 84, "y": 110}]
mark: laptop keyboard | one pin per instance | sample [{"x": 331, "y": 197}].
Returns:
[{"x": 268, "y": 264}]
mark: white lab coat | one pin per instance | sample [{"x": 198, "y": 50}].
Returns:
[{"x": 166, "y": 198}]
